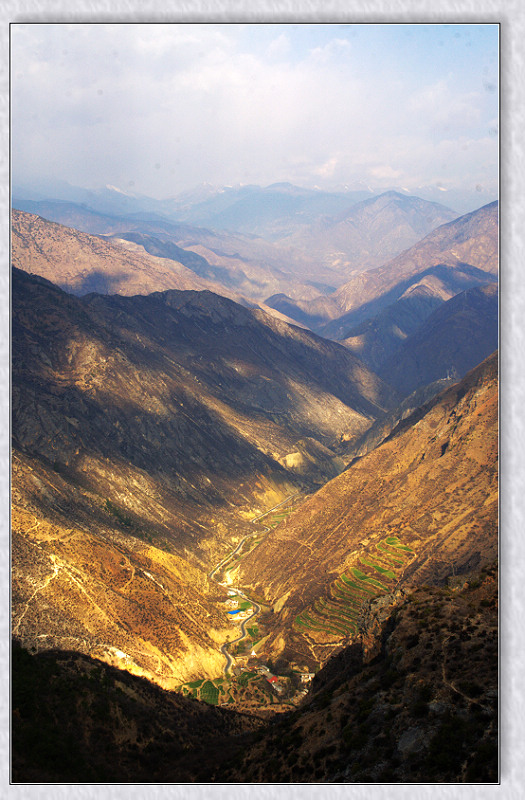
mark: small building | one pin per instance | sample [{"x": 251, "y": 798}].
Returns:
[
  {"x": 273, "y": 680},
  {"x": 306, "y": 677}
]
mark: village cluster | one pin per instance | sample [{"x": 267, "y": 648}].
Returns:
[{"x": 249, "y": 662}]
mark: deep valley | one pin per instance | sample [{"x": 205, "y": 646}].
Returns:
[{"x": 255, "y": 490}]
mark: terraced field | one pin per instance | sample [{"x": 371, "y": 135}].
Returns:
[
  {"x": 377, "y": 574},
  {"x": 248, "y": 686},
  {"x": 274, "y": 520}
]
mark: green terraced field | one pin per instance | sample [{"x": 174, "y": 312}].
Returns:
[
  {"x": 393, "y": 541},
  {"x": 209, "y": 693},
  {"x": 387, "y": 573},
  {"x": 245, "y": 677},
  {"x": 338, "y": 613},
  {"x": 275, "y": 519}
]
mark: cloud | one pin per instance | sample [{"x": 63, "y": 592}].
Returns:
[
  {"x": 279, "y": 47},
  {"x": 167, "y": 107},
  {"x": 442, "y": 107},
  {"x": 385, "y": 172}
]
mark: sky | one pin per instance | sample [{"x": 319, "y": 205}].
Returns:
[{"x": 159, "y": 109}]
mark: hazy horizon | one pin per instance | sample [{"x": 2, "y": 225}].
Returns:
[{"x": 159, "y": 109}]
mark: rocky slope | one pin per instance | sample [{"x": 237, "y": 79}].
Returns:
[
  {"x": 414, "y": 700},
  {"x": 384, "y": 425},
  {"x": 238, "y": 384},
  {"x": 420, "y": 507},
  {"x": 81, "y": 263},
  {"x": 85, "y": 580}
]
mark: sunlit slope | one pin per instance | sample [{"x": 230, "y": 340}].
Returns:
[
  {"x": 419, "y": 508},
  {"x": 80, "y": 263},
  {"x": 147, "y": 431},
  {"x": 81, "y": 581}
]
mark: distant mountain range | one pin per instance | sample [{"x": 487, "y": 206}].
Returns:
[
  {"x": 369, "y": 233},
  {"x": 251, "y": 267},
  {"x": 319, "y": 236},
  {"x": 375, "y": 314}
]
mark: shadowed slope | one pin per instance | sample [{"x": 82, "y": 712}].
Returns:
[{"x": 453, "y": 339}]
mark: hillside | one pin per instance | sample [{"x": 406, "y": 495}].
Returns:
[
  {"x": 81, "y": 263},
  {"x": 417, "y": 509},
  {"x": 414, "y": 700},
  {"x": 245, "y": 265},
  {"x": 97, "y": 724}
]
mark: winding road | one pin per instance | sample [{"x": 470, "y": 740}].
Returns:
[{"x": 211, "y": 575}]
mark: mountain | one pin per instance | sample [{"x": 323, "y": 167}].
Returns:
[
  {"x": 405, "y": 290},
  {"x": 248, "y": 266},
  {"x": 377, "y": 339},
  {"x": 105, "y": 200},
  {"x": 169, "y": 445},
  {"x": 310, "y": 236},
  {"x": 453, "y": 339},
  {"x": 146, "y": 431},
  {"x": 343, "y": 231},
  {"x": 371, "y": 232},
  {"x": 82, "y": 263},
  {"x": 385, "y": 424},
  {"x": 457, "y": 253},
  {"x": 418, "y": 509},
  {"x": 272, "y": 212},
  {"x": 413, "y": 700},
  {"x": 421, "y": 338}
]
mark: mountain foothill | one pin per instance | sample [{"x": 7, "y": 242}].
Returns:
[{"x": 277, "y": 400}]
